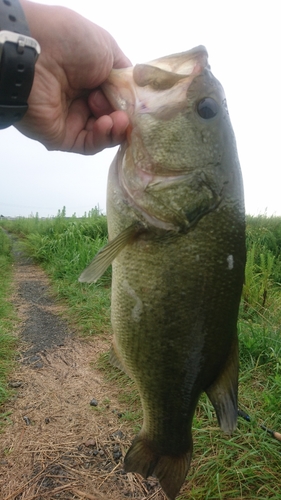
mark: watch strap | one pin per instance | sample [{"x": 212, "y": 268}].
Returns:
[
  {"x": 12, "y": 17},
  {"x": 18, "y": 54}
]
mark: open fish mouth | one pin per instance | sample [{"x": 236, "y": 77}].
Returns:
[
  {"x": 153, "y": 93},
  {"x": 138, "y": 89}
]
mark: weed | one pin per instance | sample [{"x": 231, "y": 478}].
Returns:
[
  {"x": 7, "y": 317},
  {"x": 245, "y": 465}
]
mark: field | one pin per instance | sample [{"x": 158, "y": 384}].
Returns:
[{"x": 245, "y": 466}]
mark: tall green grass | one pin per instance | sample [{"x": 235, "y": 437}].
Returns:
[
  {"x": 64, "y": 247},
  {"x": 247, "y": 465},
  {"x": 7, "y": 317},
  {"x": 260, "y": 313}
]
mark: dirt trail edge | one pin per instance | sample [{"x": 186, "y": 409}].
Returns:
[{"x": 55, "y": 444}]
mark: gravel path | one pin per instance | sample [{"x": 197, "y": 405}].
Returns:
[
  {"x": 55, "y": 444},
  {"x": 43, "y": 328}
]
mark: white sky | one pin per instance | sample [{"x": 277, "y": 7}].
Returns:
[{"x": 243, "y": 41}]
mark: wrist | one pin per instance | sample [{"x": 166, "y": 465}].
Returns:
[
  {"x": 18, "y": 54},
  {"x": 35, "y": 15}
]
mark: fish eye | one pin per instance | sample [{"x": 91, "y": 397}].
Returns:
[{"x": 207, "y": 108}]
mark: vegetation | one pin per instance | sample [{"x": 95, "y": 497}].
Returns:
[
  {"x": 7, "y": 339},
  {"x": 64, "y": 247},
  {"x": 260, "y": 316},
  {"x": 246, "y": 465}
]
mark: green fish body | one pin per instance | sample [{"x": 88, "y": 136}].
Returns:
[{"x": 177, "y": 241}]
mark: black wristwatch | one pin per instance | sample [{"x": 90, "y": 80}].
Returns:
[{"x": 18, "y": 55}]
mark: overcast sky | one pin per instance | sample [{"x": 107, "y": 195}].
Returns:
[{"x": 243, "y": 41}]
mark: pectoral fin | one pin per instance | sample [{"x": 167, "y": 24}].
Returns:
[
  {"x": 107, "y": 254},
  {"x": 115, "y": 361},
  {"x": 223, "y": 393}
]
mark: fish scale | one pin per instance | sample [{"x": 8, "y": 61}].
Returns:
[{"x": 177, "y": 241}]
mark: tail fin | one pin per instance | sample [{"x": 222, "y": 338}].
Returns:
[{"x": 170, "y": 470}]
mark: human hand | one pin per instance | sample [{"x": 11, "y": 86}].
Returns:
[{"x": 67, "y": 110}]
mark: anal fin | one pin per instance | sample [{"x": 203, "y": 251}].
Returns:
[{"x": 223, "y": 393}]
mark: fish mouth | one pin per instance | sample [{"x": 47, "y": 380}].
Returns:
[
  {"x": 152, "y": 93},
  {"x": 138, "y": 89}
]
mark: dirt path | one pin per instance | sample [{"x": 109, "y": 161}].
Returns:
[{"x": 56, "y": 445}]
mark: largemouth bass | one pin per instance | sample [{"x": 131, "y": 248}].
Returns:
[{"x": 177, "y": 241}]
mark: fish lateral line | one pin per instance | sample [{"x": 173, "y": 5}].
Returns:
[{"x": 108, "y": 253}]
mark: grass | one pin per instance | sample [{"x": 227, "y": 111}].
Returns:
[
  {"x": 64, "y": 247},
  {"x": 7, "y": 317},
  {"x": 246, "y": 465}
]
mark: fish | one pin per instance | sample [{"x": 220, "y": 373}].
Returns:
[{"x": 176, "y": 225}]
